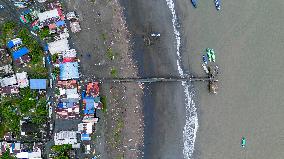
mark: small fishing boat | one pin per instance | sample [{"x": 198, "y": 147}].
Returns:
[
  {"x": 243, "y": 142},
  {"x": 194, "y": 3},
  {"x": 205, "y": 59},
  {"x": 217, "y": 4},
  {"x": 213, "y": 55}
]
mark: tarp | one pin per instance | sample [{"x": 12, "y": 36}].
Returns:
[
  {"x": 60, "y": 23},
  {"x": 38, "y": 83},
  {"x": 17, "y": 54},
  {"x": 69, "y": 70},
  {"x": 85, "y": 137},
  {"x": 90, "y": 107}
]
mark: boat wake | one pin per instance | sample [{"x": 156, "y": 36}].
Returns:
[{"x": 191, "y": 125}]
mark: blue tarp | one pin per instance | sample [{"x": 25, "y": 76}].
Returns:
[
  {"x": 45, "y": 48},
  {"x": 60, "y": 23},
  {"x": 89, "y": 103},
  {"x": 60, "y": 105},
  {"x": 10, "y": 44},
  {"x": 13, "y": 147},
  {"x": 90, "y": 107},
  {"x": 85, "y": 137},
  {"x": 91, "y": 111},
  {"x": 17, "y": 54},
  {"x": 38, "y": 83}
]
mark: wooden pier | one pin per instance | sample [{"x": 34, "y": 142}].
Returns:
[{"x": 155, "y": 79}]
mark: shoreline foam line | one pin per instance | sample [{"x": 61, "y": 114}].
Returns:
[{"x": 191, "y": 125}]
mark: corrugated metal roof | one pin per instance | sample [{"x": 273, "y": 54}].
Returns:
[{"x": 38, "y": 83}]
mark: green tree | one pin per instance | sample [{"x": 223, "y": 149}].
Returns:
[
  {"x": 6, "y": 155},
  {"x": 9, "y": 26},
  {"x": 44, "y": 33},
  {"x": 56, "y": 71},
  {"x": 54, "y": 57},
  {"x": 41, "y": 112}
]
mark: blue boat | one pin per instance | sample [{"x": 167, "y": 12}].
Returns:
[
  {"x": 194, "y": 3},
  {"x": 217, "y": 4},
  {"x": 205, "y": 59}
]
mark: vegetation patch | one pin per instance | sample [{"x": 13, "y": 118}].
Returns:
[
  {"x": 104, "y": 102},
  {"x": 113, "y": 73}
]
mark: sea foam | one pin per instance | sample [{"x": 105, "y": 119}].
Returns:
[{"x": 191, "y": 125}]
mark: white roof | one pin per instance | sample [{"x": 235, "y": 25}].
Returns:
[
  {"x": 70, "y": 15},
  {"x": 69, "y": 53},
  {"x": 72, "y": 93},
  {"x": 65, "y": 137},
  {"x": 8, "y": 81},
  {"x": 86, "y": 126},
  {"x": 58, "y": 46},
  {"x": 17, "y": 41},
  {"x": 47, "y": 14},
  {"x": 29, "y": 155},
  {"x": 22, "y": 79}
]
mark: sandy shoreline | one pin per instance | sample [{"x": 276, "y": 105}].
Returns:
[
  {"x": 105, "y": 50},
  {"x": 164, "y": 104}
]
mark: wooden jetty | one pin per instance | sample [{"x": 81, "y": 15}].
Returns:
[{"x": 154, "y": 79}]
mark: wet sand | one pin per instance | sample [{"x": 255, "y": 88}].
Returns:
[
  {"x": 248, "y": 38},
  {"x": 164, "y": 109}
]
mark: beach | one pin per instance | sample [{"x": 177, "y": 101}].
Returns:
[
  {"x": 105, "y": 51},
  {"x": 248, "y": 40},
  {"x": 164, "y": 104}
]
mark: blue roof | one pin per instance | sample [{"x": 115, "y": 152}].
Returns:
[
  {"x": 85, "y": 137},
  {"x": 90, "y": 111},
  {"x": 38, "y": 83},
  {"x": 45, "y": 48},
  {"x": 59, "y": 23},
  {"x": 69, "y": 70},
  {"x": 17, "y": 54},
  {"x": 90, "y": 107},
  {"x": 60, "y": 105}
]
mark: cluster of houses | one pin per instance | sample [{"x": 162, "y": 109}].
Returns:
[
  {"x": 21, "y": 150},
  {"x": 69, "y": 98},
  {"x": 11, "y": 81}
]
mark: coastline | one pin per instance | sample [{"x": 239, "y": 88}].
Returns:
[
  {"x": 166, "y": 131},
  {"x": 105, "y": 51}
]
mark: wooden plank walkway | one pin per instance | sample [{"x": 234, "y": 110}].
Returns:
[{"x": 154, "y": 79}]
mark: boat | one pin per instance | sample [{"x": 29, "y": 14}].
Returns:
[
  {"x": 209, "y": 54},
  {"x": 194, "y": 3},
  {"x": 213, "y": 55},
  {"x": 217, "y": 4},
  {"x": 205, "y": 59},
  {"x": 205, "y": 68},
  {"x": 243, "y": 142}
]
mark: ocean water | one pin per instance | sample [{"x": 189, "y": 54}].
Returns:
[{"x": 191, "y": 123}]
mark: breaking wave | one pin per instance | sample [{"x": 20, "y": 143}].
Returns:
[{"x": 191, "y": 125}]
